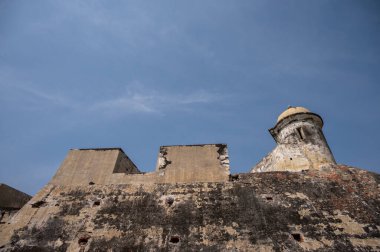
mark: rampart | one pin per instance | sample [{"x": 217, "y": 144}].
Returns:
[
  {"x": 296, "y": 199},
  {"x": 175, "y": 164}
]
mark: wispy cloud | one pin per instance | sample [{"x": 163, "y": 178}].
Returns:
[
  {"x": 135, "y": 99},
  {"x": 39, "y": 97},
  {"x": 140, "y": 99},
  {"x": 25, "y": 96},
  {"x": 135, "y": 103}
]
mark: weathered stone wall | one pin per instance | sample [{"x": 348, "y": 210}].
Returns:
[
  {"x": 193, "y": 163},
  {"x": 176, "y": 164},
  {"x": 85, "y": 166},
  {"x": 125, "y": 165},
  {"x": 317, "y": 210},
  {"x": 11, "y": 198},
  {"x": 6, "y": 215}
]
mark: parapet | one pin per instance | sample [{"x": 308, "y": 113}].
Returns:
[
  {"x": 175, "y": 164},
  {"x": 194, "y": 163},
  {"x": 93, "y": 166}
]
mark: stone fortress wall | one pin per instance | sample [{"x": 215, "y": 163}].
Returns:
[
  {"x": 301, "y": 145},
  {"x": 175, "y": 164},
  {"x": 296, "y": 199}
]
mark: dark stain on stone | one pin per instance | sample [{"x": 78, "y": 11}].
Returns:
[
  {"x": 262, "y": 208},
  {"x": 38, "y": 204},
  {"x": 38, "y": 238}
]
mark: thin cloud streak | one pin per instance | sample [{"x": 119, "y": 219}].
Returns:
[
  {"x": 151, "y": 101},
  {"x": 136, "y": 99},
  {"x": 34, "y": 98}
]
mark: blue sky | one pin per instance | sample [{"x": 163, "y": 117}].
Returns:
[{"x": 140, "y": 74}]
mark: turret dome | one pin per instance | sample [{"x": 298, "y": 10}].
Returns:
[{"x": 292, "y": 111}]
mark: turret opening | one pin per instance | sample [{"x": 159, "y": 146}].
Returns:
[{"x": 300, "y": 133}]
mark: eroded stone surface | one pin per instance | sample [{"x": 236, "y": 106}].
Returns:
[
  {"x": 301, "y": 144},
  {"x": 336, "y": 209},
  {"x": 11, "y": 200}
]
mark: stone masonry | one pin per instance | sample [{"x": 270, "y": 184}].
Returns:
[
  {"x": 301, "y": 144},
  {"x": 296, "y": 199}
]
